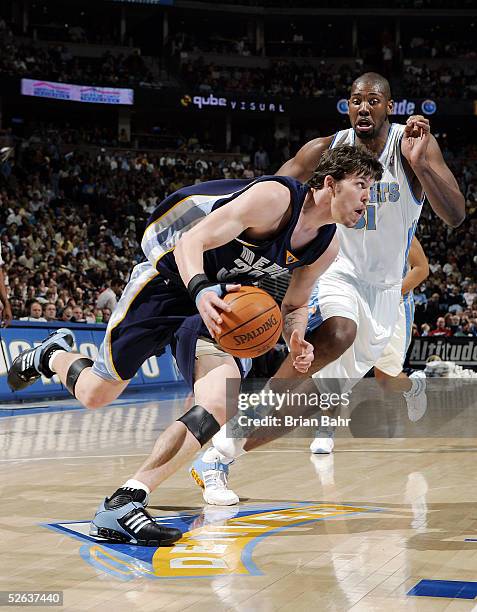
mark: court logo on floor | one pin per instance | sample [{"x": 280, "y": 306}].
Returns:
[{"x": 217, "y": 542}]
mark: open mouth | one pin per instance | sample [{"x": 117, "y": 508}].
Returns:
[
  {"x": 359, "y": 213},
  {"x": 364, "y": 125}
]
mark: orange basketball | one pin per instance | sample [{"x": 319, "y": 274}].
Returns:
[{"x": 254, "y": 324}]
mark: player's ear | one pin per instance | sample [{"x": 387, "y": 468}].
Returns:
[
  {"x": 390, "y": 106},
  {"x": 329, "y": 183}
]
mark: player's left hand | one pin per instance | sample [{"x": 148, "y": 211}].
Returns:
[
  {"x": 210, "y": 306},
  {"x": 417, "y": 134},
  {"x": 302, "y": 352}
]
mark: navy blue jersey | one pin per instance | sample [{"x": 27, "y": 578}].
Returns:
[{"x": 240, "y": 260}]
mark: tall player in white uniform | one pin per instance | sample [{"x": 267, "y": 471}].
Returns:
[{"x": 358, "y": 297}]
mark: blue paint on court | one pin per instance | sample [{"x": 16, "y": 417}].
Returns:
[{"x": 452, "y": 589}]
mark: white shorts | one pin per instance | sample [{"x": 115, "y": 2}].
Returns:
[
  {"x": 375, "y": 311},
  {"x": 392, "y": 360}
]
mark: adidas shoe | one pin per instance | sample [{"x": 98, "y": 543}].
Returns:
[
  {"x": 323, "y": 444},
  {"x": 32, "y": 363},
  {"x": 122, "y": 518},
  {"x": 416, "y": 398},
  {"x": 212, "y": 477}
]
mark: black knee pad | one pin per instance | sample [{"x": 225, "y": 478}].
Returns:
[
  {"x": 74, "y": 371},
  {"x": 201, "y": 424}
]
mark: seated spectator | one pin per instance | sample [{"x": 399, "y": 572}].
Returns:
[
  {"x": 425, "y": 329},
  {"x": 441, "y": 329},
  {"x": 66, "y": 314},
  {"x": 88, "y": 315},
  {"x": 36, "y": 313},
  {"x": 50, "y": 311},
  {"x": 77, "y": 315},
  {"x": 466, "y": 330},
  {"x": 108, "y": 297},
  {"x": 106, "y": 314}
]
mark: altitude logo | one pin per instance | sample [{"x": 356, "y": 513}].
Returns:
[{"x": 218, "y": 542}]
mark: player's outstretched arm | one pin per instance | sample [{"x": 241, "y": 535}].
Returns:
[
  {"x": 419, "y": 267},
  {"x": 306, "y": 160},
  {"x": 424, "y": 155},
  {"x": 295, "y": 306},
  {"x": 261, "y": 207}
]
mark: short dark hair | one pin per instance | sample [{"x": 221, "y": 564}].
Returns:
[
  {"x": 345, "y": 160},
  {"x": 373, "y": 78}
]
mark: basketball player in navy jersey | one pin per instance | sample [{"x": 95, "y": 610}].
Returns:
[
  {"x": 197, "y": 240},
  {"x": 357, "y": 299}
]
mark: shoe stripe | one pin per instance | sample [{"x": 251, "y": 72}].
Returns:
[
  {"x": 135, "y": 520},
  {"x": 138, "y": 524}
]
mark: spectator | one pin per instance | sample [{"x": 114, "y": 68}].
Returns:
[
  {"x": 50, "y": 311},
  {"x": 106, "y": 314},
  {"x": 77, "y": 315},
  {"x": 66, "y": 314},
  {"x": 466, "y": 330},
  {"x": 36, "y": 313},
  {"x": 261, "y": 160},
  {"x": 441, "y": 329},
  {"x": 108, "y": 297},
  {"x": 6, "y": 314}
]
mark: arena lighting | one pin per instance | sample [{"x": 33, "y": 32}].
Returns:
[
  {"x": 400, "y": 107},
  {"x": 76, "y": 93}
]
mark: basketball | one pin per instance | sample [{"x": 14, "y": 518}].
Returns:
[{"x": 254, "y": 324}]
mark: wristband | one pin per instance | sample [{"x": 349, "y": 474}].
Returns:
[
  {"x": 215, "y": 288},
  {"x": 197, "y": 283}
]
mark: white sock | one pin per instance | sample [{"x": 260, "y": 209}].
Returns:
[
  {"x": 212, "y": 455},
  {"x": 53, "y": 357},
  {"x": 136, "y": 484}
]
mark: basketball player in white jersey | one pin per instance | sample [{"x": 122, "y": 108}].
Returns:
[{"x": 358, "y": 297}]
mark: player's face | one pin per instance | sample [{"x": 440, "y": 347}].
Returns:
[
  {"x": 368, "y": 110},
  {"x": 348, "y": 202}
]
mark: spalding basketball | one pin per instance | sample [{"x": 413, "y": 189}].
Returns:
[{"x": 254, "y": 324}]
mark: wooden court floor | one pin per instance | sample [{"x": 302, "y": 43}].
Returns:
[{"x": 357, "y": 530}]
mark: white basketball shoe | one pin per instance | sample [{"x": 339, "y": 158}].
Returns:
[
  {"x": 211, "y": 472},
  {"x": 416, "y": 398}
]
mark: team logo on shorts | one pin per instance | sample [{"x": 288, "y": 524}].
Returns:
[{"x": 218, "y": 542}]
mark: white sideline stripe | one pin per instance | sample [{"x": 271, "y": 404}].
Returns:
[
  {"x": 469, "y": 449},
  {"x": 72, "y": 457}
]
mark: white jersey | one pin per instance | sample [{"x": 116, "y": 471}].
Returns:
[{"x": 376, "y": 249}]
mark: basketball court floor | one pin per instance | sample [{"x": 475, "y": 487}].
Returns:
[{"x": 378, "y": 525}]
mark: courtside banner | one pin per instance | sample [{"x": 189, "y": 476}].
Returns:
[
  {"x": 76, "y": 93},
  {"x": 462, "y": 351},
  {"x": 21, "y": 336}
]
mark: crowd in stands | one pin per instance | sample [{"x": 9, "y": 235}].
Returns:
[
  {"x": 56, "y": 63},
  {"x": 283, "y": 78},
  {"x": 287, "y": 79}
]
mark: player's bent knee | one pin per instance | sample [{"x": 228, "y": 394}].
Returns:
[
  {"x": 97, "y": 392},
  {"x": 202, "y": 425},
  {"x": 341, "y": 335}
]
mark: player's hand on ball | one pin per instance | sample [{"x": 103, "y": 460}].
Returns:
[
  {"x": 210, "y": 305},
  {"x": 301, "y": 352},
  {"x": 417, "y": 133}
]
